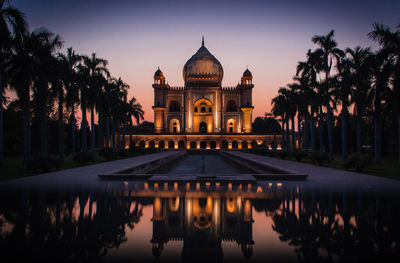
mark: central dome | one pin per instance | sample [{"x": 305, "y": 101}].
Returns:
[{"x": 203, "y": 67}]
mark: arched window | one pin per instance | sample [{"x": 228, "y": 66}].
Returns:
[
  {"x": 210, "y": 109},
  {"x": 195, "y": 109},
  {"x": 231, "y": 106},
  {"x": 174, "y": 106},
  {"x": 203, "y": 109}
]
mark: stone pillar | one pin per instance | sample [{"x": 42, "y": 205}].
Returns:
[
  {"x": 159, "y": 119},
  {"x": 247, "y": 118}
]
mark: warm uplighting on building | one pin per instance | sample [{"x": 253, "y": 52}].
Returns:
[
  {"x": 217, "y": 185},
  {"x": 197, "y": 186},
  {"x": 155, "y": 186},
  {"x": 208, "y": 184},
  {"x": 279, "y": 184},
  {"x": 259, "y": 189},
  {"x": 166, "y": 186},
  {"x": 187, "y": 186},
  {"x": 175, "y": 185},
  {"x": 146, "y": 186},
  {"x": 230, "y": 186}
]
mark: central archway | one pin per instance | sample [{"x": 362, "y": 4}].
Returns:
[{"x": 203, "y": 127}]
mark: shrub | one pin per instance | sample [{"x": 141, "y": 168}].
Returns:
[
  {"x": 358, "y": 161},
  {"x": 272, "y": 153},
  {"x": 299, "y": 155},
  {"x": 282, "y": 154},
  {"x": 83, "y": 158},
  {"x": 44, "y": 162},
  {"x": 123, "y": 152},
  {"x": 132, "y": 148},
  {"x": 320, "y": 158},
  {"x": 151, "y": 150},
  {"x": 108, "y": 153}
]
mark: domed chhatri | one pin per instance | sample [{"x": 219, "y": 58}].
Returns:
[
  {"x": 158, "y": 73},
  {"x": 203, "y": 105},
  {"x": 247, "y": 73},
  {"x": 159, "y": 77},
  {"x": 203, "y": 66}
]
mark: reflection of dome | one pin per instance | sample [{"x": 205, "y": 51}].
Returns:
[{"x": 203, "y": 65}]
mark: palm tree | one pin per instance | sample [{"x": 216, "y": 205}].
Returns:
[
  {"x": 22, "y": 71},
  {"x": 70, "y": 61},
  {"x": 293, "y": 108},
  {"x": 118, "y": 113},
  {"x": 45, "y": 69},
  {"x": 307, "y": 71},
  {"x": 12, "y": 25},
  {"x": 329, "y": 51},
  {"x": 58, "y": 88},
  {"x": 283, "y": 105},
  {"x": 134, "y": 111},
  {"x": 343, "y": 83},
  {"x": 390, "y": 42},
  {"x": 278, "y": 110},
  {"x": 304, "y": 97},
  {"x": 96, "y": 69},
  {"x": 382, "y": 69},
  {"x": 82, "y": 80},
  {"x": 359, "y": 61}
]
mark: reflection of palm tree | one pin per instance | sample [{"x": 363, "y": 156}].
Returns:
[
  {"x": 322, "y": 231},
  {"x": 45, "y": 227}
]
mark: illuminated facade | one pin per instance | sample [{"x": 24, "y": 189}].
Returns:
[
  {"x": 203, "y": 105},
  {"x": 202, "y": 114}
]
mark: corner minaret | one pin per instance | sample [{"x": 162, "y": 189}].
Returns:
[
  {"x": 246, "y": 87},
  {"x": 160, "y": 91}
]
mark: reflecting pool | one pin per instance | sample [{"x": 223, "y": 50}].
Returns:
[{"x": 135, "y": 222}]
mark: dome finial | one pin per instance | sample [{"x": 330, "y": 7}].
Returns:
[{"x": 202, "y": 41}]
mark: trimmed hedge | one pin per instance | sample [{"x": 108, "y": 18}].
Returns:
[
  {"x": 83, "y": 158},
  {"x": 44, "y": 162},
  {"x": 108, "y": 153},
  {"x": 319, "y": 158},
  {"x": 299, "y": 155},
  {"x": 358, "y": 161}
]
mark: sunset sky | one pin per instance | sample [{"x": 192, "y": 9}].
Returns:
[{"x": 269, "y": 37}]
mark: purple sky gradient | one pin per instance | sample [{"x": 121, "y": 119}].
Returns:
[{"x": 269, "y": 37}]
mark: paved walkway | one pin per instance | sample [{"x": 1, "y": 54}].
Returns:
[
  {"x": 86, "y": 176},
  {"x": 319, "y": 176}
]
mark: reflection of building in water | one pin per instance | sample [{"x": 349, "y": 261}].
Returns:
[{"x": 202, "y": 224}]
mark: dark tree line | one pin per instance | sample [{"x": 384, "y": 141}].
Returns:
[
  {"x": 333, "y": 80},
  {"x": 48, "y": 83}
]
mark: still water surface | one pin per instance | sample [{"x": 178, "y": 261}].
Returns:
[{"x": 135, "y": 223}]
